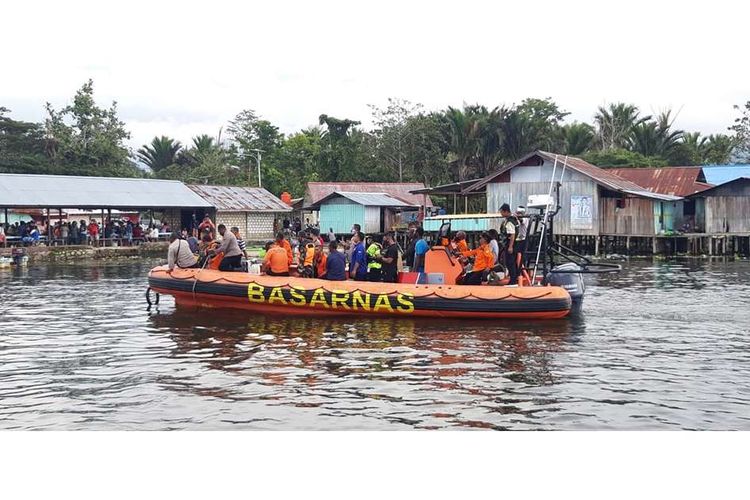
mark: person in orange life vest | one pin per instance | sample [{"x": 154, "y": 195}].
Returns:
[
  {"x": 319, "y": 261},
  {"x": 276, "y": 263},
  {"x": 460, "y": 242},
  {"x": 483, "y": 261},
  {"x": 306, "y": 258},
  {"x": 283, "y": 243}
]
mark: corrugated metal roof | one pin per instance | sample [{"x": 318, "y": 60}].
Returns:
[
  {"x": 719, "y": 174},
  {"x": 677, "y": 181},
  {"x": 598, "y": 175},
  {"x": 316, "y": 191},
  {"x": 240, "y": 199},
  {"x": 366, "y": 199},
  {"x": 373, "y": 199},
  {"x": 738, "y": 180},
  {"x": 68, "y": 191},
  {"x": 452, "y": 188}
]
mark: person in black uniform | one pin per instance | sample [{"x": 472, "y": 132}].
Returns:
[
  {"x": 389, "y": 259},
  {"x": 509, "y": 229}
]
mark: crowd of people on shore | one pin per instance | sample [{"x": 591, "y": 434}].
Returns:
[
  {"x": 121, "y": 232},
  {"x": 358, "y": 257}
]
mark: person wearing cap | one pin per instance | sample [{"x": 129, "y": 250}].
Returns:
[
  {"x": 520, "y": 245},
  {"x": 509, "y": 229}
]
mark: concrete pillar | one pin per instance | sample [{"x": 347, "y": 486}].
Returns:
[
  {"x": 654, "y": 245},
  {"x": 596, "y": 245}
]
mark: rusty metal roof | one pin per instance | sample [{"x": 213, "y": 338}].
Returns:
[
  {"x": 677, "y": 181},
  {"x": 240, "y": 199},
  {"x": 402, "y": 190},
  {"x": 602, "y": 177}
]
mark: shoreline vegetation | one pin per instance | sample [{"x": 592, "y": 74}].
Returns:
[{"x": 405, "y": 143}]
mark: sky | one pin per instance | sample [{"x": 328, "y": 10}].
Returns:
[{"x": 187, "y": 68}]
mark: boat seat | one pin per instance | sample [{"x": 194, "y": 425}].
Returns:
[{"x": 439, "y": 260}]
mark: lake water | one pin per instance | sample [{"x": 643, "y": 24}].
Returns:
[{"x": 662, "y": 345}]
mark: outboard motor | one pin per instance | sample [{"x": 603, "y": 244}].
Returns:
[{"x": 569, "y": 277}]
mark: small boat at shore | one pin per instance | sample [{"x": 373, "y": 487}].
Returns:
[{"x": 308, "y": 296}]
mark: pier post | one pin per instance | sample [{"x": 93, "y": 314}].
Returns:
[
  {"x": 596, "y": 246},
  {"x": 653, "y": 245}
]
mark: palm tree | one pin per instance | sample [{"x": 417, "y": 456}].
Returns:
[
  {"x": 718, "y": 149},
  {"x": 578, "y": 138},
  {"x": 203, "y": 143},
  {"x": 161, "y": 153},
  {"x": 464, "y": 129},
  {"x": 656, "y": 138},
  {"x": 614, "y": 124}
]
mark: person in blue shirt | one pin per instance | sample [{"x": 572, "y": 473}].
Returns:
[
  {"x": 420, "y": 249},
  {"x": 336, "y": 263},
  {"x": 358, "y": 263}
]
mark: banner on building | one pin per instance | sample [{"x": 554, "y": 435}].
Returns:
[{"x": 581, "y": 212}]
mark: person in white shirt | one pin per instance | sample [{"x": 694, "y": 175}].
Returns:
[{"x": 179, "y": 254}]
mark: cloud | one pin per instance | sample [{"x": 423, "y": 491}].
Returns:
[{"x": 185, "y": 68}]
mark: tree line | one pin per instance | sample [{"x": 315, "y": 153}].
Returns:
[{"x": 405, "y": 143}]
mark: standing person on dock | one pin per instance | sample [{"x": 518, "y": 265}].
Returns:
[
  {"x": 358, "y": 262},
  {"x": 510, "y": 231},
  {"x": 231, "y": 250},
  {"x": 208, "y": 223},
  {"x": 420, "y": 250},
  {"x": 389, "y": 259},
  {"x": 94, "y": 232}
]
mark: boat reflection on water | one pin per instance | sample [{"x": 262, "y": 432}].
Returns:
[{"x": 356, "y": 365}]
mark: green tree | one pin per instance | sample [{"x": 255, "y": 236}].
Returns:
[
  {"x": 741, "y": 129},
  {"x": 464, "y": 133},
  {"x": 347, "y": 152},
  {"x": 22, "y": 146},
  {"x": 615, "y": 123},
  {"x": 578, "y": 138},
  {"x": 298, "y": 160},
  {"x": 655, "y": 138},
  {"x": 251, "y": 135},
  {"x": 85, "y": 139},
  {"x": 718, "y": 149},
  {"x": 393, "y": 133},
  {"x": 622, "y": 158},
  {"x": 161, "y": 153}
]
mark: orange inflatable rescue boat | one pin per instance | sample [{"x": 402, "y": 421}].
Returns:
[{"x": 308, "y": 296}]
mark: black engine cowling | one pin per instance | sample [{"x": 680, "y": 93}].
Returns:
[{"x": 569, "y": 277}]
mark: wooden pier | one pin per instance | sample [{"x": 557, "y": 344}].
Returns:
[{"x": 695, "y": 244}]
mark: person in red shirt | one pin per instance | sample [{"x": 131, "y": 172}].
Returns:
[
  {"x": 208, "y": 223},
  {"x": 94, "y": 232}
]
